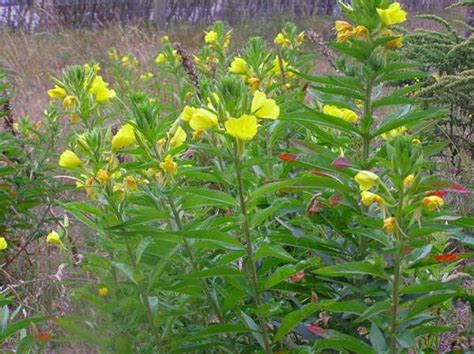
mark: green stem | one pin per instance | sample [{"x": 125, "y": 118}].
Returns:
[
  {"x": 139, "y": 282},
  {"x": 395, "y": 300},
  {"x": 189, "y": 251},
  {"x": 251, "y": 267},
  {"x": 397, "y": 274}
]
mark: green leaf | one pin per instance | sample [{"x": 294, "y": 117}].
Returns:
[
  {"x": 373, "y": 234},
  {"x": 219, "y": 329},
  {"x": 279, "y": 275},
  {"x": 271, "y": 188},
  {"x": 424, "y": 330},
  {"x": 142, "y": 246},
  {"x": 406, "y": 339},
  {"x": 427, "y": 286},
  {"x": 125, "y": 269},
  {"x": 221, "y": 271},
  {"x": 343, "y": 343},
  {"x": 377, "y": 339},
  {"x": 274, "y": 251},
  {"x": 374, "y": 310},
  {"x": 195, "y": 198},
  {"x": 352, "y": 268},
  {"x": 392, "y": 100},
  {"x": 426, "y": 302},
  {"x": 294, "y": 318},
  {"x": 409, "y": 119},
  {"x": 14, "y": 327},
  {"x": 313, "y": 116}
]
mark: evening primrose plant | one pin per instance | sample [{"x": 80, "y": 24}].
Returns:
[{"x": 238, "y": 215}]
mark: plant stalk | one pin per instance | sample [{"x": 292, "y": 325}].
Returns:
[
  {"x": 251, "y": 267},
  {"x": 189, "y": 251}
]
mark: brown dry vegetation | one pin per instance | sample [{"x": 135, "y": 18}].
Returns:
[{"x": 32, "y": 58}]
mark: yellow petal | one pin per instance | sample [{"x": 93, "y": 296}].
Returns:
[
  {"x": 57, "y": 92},
  {"x": 203, "y": 119},
  {"x": 124, "y": 137},
  {"x": 69, "y": 159},
  {"x": 393, "y": 14},
  {"x": 262, "y": 107},
  {"x": 178, "y": 138},
  {"x": 243, "y": 128},
  {"x": 238, "y": 66},
  {"x": 3, "y": 244}
]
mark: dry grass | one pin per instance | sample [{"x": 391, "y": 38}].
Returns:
[{"x": 31, "y": 59}]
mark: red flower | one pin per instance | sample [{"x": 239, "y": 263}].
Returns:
[
  {"x": 297, "y": 277},
  {"x": 440, "y": 194},
  {"x": 315, "y": 329},
  {"x": 341, "y": 162},
  {"x": 43, "y": 337},
  {"x": 451, "y": 257},
  {"x": 334, "y": 200},
  {"x": 457, "y": 188},
  {"x": 287, "y": 157}
]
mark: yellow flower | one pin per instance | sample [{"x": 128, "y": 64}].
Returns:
[
  {"x": 263, "y": 107},
  {"x": 254, "y": 83},
  {"x": 276, "y": 69},
  {"x": 300, "y": 37},
  {"x": 203, "y": 119},
  {"x": 368, "y": 198},
  {"x": 124, "y": 137},
  {"x": 210, "y": 37},
  {"x": 393, "y": 133},
  {"x": 361, "y": 32},
  {"x": 57, "y": 92},
  {"x": 54, "y": 239},
  {"x": 131, "y": 183},
  {"x": 178, "y": 138},
  {"x": 165, "y": 39},
  {"x": 146, "y": 76},
  {"x": 238, "y": 66},
  {"x": 69, "y": 159},
  {"x": 416, "y": 141},
  {"x": 433, "y": 201},
  {"x": 343, "y": 26},
  {"x": 160, "y": 143},
  {"x": 3, "y": 244},
  {"x": 197, "y": 134},
  {"x": 281, "y": 40},
  {"x": 69, "y": 102},
  {"x": 227, "y": 39},
  {"x": 243, "y": 128},
  {"x": 344, "y": 36},
  {"x": 102, "y": 176},
  {"x": 187, "y": 113},
  {"x": 113, "y": 55},
  {"x": 366, "y": 180},
  {"x": 169, "y": 165},
  {"x": 408, "y": 179},
  {"x": 394, "y": 43},
  {"x": 100, "y": 89},
  {"x": 89, "y": 183},
  {"x": 74, "y": 118},
  {"x": 95, "y": 67},
  {"x": 103, "y": 291},
  {"x": 160, "y": 59},
  {"x": 393, "y": 14},
  {"x": 343, "y": 113},
  {"x": 389, "y": 224},
  {"x": 344, "y": 30}
]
